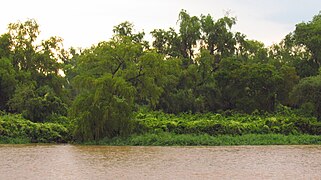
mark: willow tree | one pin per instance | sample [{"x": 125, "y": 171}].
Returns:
[
  {"x": 103, "y": 108},
  {"x": 104, "y": 100},
  {"x": 111, "y": 78}
]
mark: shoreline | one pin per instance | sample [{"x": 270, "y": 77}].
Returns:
[{"x": 170, "y": 139}]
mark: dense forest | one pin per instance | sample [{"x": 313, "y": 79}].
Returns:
[{"x": 196, "y": 78}]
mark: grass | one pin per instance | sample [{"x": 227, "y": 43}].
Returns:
[
  {"x": 170, "y": 139},
  {"x": 10, "y": 140}
]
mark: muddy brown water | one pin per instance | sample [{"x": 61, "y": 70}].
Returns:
[{"x": 127, "y": 162}]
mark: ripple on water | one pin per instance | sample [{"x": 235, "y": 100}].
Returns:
[{"x": 126, "y": 162}]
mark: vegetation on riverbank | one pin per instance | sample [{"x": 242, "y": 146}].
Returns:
[
  {"x": 171, "y": 139},
  {"x": 202, "y": 80},
  {"x": 161, "y": 129},
  {"x": 15, "y": 129},
  {"x": 286, "y": 122}
]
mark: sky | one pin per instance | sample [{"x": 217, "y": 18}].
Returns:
[{"x": 82, "y": 23}]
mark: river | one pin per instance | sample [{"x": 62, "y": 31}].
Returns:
[{"x": 127, "y": 162}]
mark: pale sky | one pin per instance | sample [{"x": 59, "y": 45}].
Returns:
[{"x": 82, "y": 23}]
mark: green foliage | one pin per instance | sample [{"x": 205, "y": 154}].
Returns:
[
  {"x": 27, "y": 56},
  {"x": 14, "y": 128},
  {"x": 125, "y": 31},
  {"x": 189, "y": 33},
  {"x": 5, "y": 43},
  {"x": 308, "y": 34},
  {"x": 289, "y": 53},
  {"x": 9, "y": 140},
  {"x": 30, "y": 82},
  {"x": 167, "y": 42},
  {"x": 111, "y": 77},
  {"x": 217, "y": 124},
  {"x": 171, "y": 139},
  {"x": 37, "y": 104},
  {"x": 204, "y": 67},
  {"x": 103, "y": 107},
  {"x": 7, "y": 82},
  {"x": 218, "y": 38},
  {"x": 307, "y": 94},
  {"x": 248, "y": 86},
  {"x": 301, "y": 48}
]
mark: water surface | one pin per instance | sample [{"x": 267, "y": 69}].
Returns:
[{"x": 126, "y": 162}]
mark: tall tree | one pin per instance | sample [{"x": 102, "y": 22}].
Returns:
[
  {"x": 295, "y": 55},
  {"x": 248, "y": 86},
  {"x": 110, "y": 78},
  {"x": 189, "y": 29},
  {"x": 126, "y": 30},
  {"x": 167, "y": 42},
  {"x": 307, "y": 93},
  {"x": 37, "y": 71},
  {"x": 217, "y": 36},
  {"x": 307, "y": 37},
  {"x": 8, "y": 82},
  {"x": 5, "y": 45},
  {"x": 23, "y": 37}
]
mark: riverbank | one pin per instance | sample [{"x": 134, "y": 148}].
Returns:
[
  {"x": 14, "y": 129},
  {"x": 10, "y": 140},
  {"x": 160, "y": 129},
  {"x": 170, "y": 139}
]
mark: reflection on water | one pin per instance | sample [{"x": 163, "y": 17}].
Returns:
[{"x": 105, "y": 162}]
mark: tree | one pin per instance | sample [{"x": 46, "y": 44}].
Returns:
[
  {"x": 126, "y": 59},
  {"x": 37, "y": 104},
  {"x": 252, "y": 50},
  {"x": 206, "y": 84},
  {"x": 306, "y": 39},
  {"x": 39, "y": 60},
  {"x": 149, "y": 79},
  {"x": 248, "y": 86},
  {"x": 308, "y": 93},
  {"x": 197, "y": 89},
  {"x": 7, "y": 82},
  {"x": 103, "y": 107},
  {"x": 308, "y": 34},
  {"x": 109, "y": 79},
  {"x": 5, "y": 45},
  {"x": 296, "y": 55},
  {"x": 217, "y": 36},
  {"x": 23, "y": 36},
  {"x": 189, "y": 29},
  {"x": 125, "y": 30},
  {"x": 167, "y": 42},
  {"x": 38, "y": 89}
]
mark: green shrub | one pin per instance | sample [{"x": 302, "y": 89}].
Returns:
[
  {"x": 15, "y": 126},
  {"x": 217, "y": 124},
  {"x": 172, "y": 139}
]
